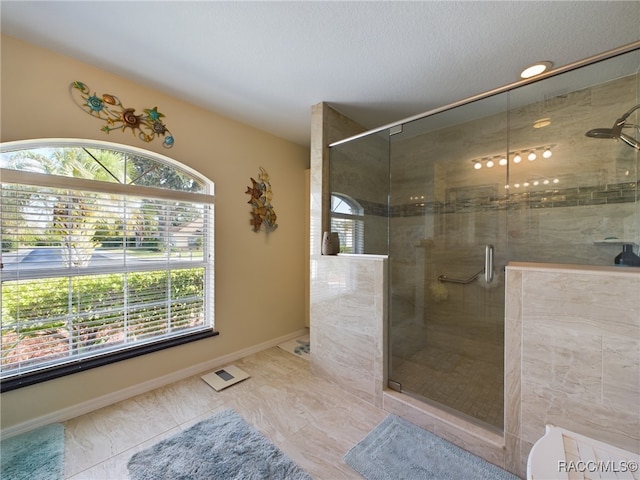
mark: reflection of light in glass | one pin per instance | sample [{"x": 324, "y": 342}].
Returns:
[
  {"x": 543, "y": 122},
  {"x": 531, "y": 153},
  {"x": 506, "y": 187}
]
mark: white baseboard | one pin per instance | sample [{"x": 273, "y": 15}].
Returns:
[{"x": 68, "y": 413}]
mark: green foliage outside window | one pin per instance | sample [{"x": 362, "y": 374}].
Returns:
[{"x": 95, "y": 310}]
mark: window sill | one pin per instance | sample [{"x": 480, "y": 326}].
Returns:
[{"x": 89, "y": 363}]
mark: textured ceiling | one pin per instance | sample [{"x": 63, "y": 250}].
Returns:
[{"x": 265, "y": 63}]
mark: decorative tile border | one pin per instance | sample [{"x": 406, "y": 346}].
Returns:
[{"x": 626, "y": 192}]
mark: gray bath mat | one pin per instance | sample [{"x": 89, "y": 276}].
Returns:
[
  {"x": 397, "y": 449},
  {"x": 223, "y": 446}
]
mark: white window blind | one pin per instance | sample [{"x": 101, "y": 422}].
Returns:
[
  {"x": 90, "y": 268},
  {"x": 347, "y": 220}
]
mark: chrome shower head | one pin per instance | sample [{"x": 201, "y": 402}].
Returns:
[
  {"x": 601, "y": 133},
  {"x": 616, "y": 133}
]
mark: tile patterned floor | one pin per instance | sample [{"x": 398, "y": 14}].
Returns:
[
  {"x": 464, "y": 373},
  {"x": 312, "y": 420}
]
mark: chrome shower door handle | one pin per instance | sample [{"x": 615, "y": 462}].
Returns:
[{"x": 488, "y": 263}]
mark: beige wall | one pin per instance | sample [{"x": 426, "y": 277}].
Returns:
[{"x": 259, "y": 277}]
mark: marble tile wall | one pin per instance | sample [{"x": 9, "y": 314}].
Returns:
[
  {"x": 348, "y": 319},
  {"x": 572, "y": 355}
]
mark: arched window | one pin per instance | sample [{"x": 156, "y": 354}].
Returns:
[
  {"x": 107, "y": 253},
  {"x": 347, "y": 218}
]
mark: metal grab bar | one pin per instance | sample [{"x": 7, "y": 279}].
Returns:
[
  {"x": 444, "y": 278},
  {"x": 488, "y": 263},
  {"x": 487, "y": 270}
]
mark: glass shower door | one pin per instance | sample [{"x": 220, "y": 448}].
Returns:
[{"x": 447, "y": 251}]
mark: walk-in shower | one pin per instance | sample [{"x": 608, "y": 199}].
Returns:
[{"x": 454, "y": 195}]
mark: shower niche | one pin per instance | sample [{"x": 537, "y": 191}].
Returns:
[{"x": 544, "y": 171}]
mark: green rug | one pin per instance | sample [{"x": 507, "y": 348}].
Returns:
[
  {"x": 397, "y": 449},
  {"x": 35, "y": 455},
  {"x": 221, "y": 447}
]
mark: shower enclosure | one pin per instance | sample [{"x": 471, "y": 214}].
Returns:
[{"x": 454, "y": 195}]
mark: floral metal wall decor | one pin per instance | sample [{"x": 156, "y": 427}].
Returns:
[
  {"x": 110, "y": 109},
  {"x": 262, "y": 212}
]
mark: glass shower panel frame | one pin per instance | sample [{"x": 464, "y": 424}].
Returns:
[
  {"x": 448, "y": 197},
  {"x": 359, "y": 180}
]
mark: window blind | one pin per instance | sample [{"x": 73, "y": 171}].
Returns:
[
  {"x": 85, "y": 272},
  {"x": 350, "y": 231}
]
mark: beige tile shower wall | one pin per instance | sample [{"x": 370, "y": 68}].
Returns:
[
  {"x": 348, "y": 319},
  {"x": 572, "y": 355}
]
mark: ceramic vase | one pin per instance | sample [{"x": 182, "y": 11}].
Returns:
[{"x": 330, "y": 243}]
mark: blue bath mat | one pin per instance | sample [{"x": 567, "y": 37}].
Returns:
[
  {"x": 38, "y": 454},
  {"x": 223, "y": 446},
  {"x": 397, "y": 449}
]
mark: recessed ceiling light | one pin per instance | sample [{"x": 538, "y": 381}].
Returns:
[{"x": 535, "y": 69}]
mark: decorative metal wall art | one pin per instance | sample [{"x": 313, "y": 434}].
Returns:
[
  {"x": 110, "y": 109},
  {"x": 262, "y": 212}
]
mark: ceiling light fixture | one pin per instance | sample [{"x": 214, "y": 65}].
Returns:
[{"x": 535, "y": 69}]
